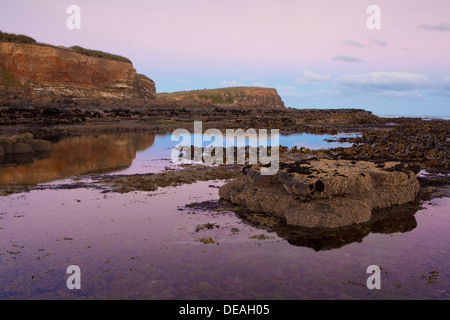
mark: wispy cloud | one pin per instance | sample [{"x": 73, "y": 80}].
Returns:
[
  {"x": 435, "y": 27},
  {"x": 445, "y": 82},
  {"x": 287, "y": 88},
  {"x": 231, "y": 83},
  {"x": 180, "y": 80},
  {"x": 406, "y": 95},
  {"x": 309, "y": 77},
  {"x": 380, "y": 43},
  {"x": 441, "y": 87},
  {"x": 396, "y": 81},
  {"x": 387, "y": 84},
  {"x": 347, "y": 59},
  {"x": 312, "y": 96},
  {"x": 259, "y": 84},
  {"x": 354, "y": 44}
]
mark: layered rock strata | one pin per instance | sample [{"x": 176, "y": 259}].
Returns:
[{"x": 63, "y": 72}]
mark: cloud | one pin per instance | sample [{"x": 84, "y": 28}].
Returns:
[
  {"x": 380, "y": 43},
  {"x": 412, "y": 95},
  {"x": 435, "y": 27},
  {"x": 259, "y": 84},
  {"x": 445, "y": 83},
  {"x": 285, "y": 88},
  {"x": 309, "y": 77},
  {"x": 320, "y": 94},
  {"x": 313, "y": 96},
  {"x": 231, "y": 83},
  {"x": 387, "y": 84},
  {"x": 441, "y": 87},
  {"x": 180, "y": 80},
  {"x": 347, "y": 59},
  {"x": 353, "y": 44}
]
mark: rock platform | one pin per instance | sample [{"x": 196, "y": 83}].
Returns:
[{"x": 323, "y": 192}]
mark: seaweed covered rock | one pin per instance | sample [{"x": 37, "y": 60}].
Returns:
[{"x": 323, "y": 192}]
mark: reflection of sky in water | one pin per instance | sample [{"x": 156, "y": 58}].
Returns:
[
  {"x": 311, "y": 141},
  {"x": 149, "y": 160},
  {"x": 140, "y": 246},
  {"x": 314, "y": 141},
  {"x": 130, "y": 153}
]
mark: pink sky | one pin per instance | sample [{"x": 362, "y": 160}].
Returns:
[{"x": 235, "y": 40}]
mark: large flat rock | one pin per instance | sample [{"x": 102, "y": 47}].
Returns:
[{"x": 323, "y": 192}]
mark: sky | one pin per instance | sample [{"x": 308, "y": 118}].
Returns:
[{"x": 316, "y": 54}]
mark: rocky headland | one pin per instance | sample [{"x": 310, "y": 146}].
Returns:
[
  {"x": 44, "y": 87},
  {"x": 48, "y": 91},
  {"x": 43, "y": 72},
  {"x": 244, "y": 97}
]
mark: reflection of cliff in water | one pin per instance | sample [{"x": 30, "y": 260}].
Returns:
[
  {"x": 398, "y": 218},
  {"x": 75, "y": 156}
]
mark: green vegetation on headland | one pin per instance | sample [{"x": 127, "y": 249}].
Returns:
[
  {"x": 216, "y": 96},
  {"x": 19, "y": 38},
  {"x": 99, "y": 54},
  {"x": 143, "y": 76}
]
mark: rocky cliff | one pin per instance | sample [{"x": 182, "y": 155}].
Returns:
[
  {"x": 239, "y": 96},
  {"x": 45, "y": 69}
]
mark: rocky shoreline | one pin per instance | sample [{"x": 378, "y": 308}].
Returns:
[
  {"x": 63, "y": 92},
  {"x": 22, "y": 144},
  {"x": 422, "y": 144}
]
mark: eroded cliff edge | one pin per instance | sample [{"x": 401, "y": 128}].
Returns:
[
  {"x": 40, "y": 70},
  {"x": 238, "y": 96}
]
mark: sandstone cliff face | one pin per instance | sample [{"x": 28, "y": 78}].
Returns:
[
  {"x": 46, "y": 69},
  {"x": 239, "y": 96}
]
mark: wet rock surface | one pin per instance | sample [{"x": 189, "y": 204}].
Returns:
[
  {"x": 396, "y": 219},
  {"x": 422, "y": 142},
  {"x": 49, "y": 111},
  {"x": 22, "y": 144},
  {"x": 323, "y": 192}
]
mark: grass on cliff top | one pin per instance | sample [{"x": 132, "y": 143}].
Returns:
[
  {"x": 11, "y": 37},
  {"x": 143, "y": 76},
  {"x": 214, "y": 95},
  {"x": 99, "y": 54},
  {"x": 20, "y": 38}
]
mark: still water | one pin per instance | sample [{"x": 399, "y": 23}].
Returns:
[
  {"x": 125, "y": 153},
  {"x": 147, "y": 245}
]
